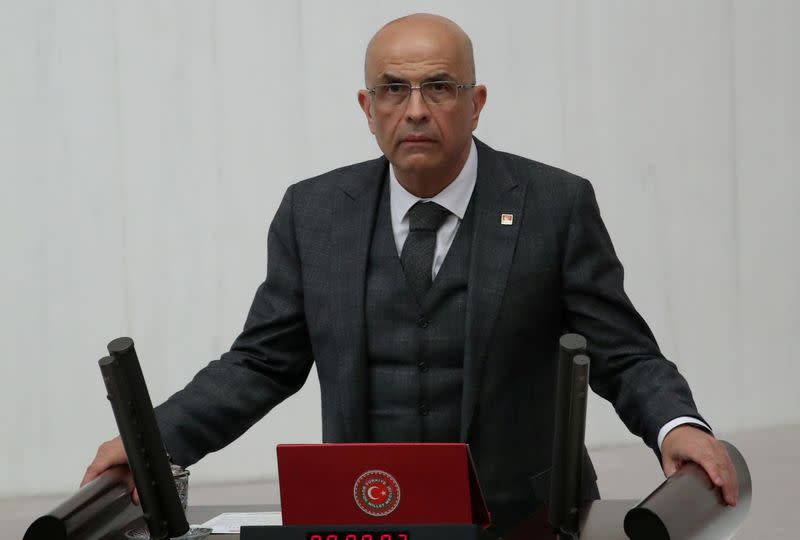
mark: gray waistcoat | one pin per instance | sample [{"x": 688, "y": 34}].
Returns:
[{"x": 415, "y": 349}]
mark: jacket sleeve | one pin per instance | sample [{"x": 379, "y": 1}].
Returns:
[
  {"x": 269, "y": 361},
  {"x": 627, "y": 367}
]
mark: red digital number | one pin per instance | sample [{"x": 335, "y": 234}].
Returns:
[
  {"x": 402, "y": 536},
  {"x": 386, "y": 537},
  {"x": 316, "y": 537},
  {"x": 351, "y": 537},
  {"x": 366, "y": 537}
]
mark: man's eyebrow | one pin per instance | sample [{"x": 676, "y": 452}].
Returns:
[
  {"x": 387, "y": 78},
  {"x": 440, "y": 76},
  {"x": 390, "y": 78}
]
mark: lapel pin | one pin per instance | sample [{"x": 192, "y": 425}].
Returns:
[{"x": 506, "y": 219}]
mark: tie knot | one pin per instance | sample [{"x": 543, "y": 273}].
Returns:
[{"x": 427, "y": 216}]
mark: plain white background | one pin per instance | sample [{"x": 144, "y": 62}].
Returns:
[{"x": 145, "y": 145}]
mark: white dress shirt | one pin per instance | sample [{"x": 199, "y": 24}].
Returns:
[{"x": 455, "y": 197}]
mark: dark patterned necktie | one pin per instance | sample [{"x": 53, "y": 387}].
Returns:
[{"x": 418, "y": 250}]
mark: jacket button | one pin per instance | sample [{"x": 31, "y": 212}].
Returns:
[
  {"x": 424, "y": 410},
  {"x": 423, "y": 367},
  {"x": 422, "y": 322}
]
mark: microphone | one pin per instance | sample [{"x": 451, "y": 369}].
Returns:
[
  {"x": 568, "y": 439},
  {"x": 141, "y": 437}
]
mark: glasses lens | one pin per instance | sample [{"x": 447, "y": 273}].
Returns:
[
  {"x": 440, "y": 92},
  {"x": 391, "y": 94}
]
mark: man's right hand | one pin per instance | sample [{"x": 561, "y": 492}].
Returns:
[{"x": 111, "y": 454}]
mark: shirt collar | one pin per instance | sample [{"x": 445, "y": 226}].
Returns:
[{"x": 455, "y": 197}]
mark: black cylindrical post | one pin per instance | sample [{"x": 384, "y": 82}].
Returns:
[
  {"x": 138, "y": 429},
  {"x": 575, "y": 443},
  {"x": 570, "y": 345}
]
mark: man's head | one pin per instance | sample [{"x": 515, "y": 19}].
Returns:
[{"x": 427, "y": 142}]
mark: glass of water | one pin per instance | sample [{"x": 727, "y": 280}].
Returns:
[{"x": 181, "y": 477}]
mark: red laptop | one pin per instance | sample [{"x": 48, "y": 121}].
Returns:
[{"x": 379, "y": 483}]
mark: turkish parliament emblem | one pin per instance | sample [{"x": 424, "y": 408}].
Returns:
[{"x": 377, "y": 493}]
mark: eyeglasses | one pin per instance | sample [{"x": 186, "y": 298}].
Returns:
[{"x": 440, "y": 93}]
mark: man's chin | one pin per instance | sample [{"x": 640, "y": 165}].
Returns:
[{"x": 414, "y": 157}]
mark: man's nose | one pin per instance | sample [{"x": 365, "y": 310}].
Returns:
[{"x": 416, "y": 109}]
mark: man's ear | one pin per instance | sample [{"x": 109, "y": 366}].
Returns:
[
  {"x": 366, "y": 105},
  {"x": 478, "y": 101}
]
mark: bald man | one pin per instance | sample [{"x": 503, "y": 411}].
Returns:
[{"x": 430, "y": 286}]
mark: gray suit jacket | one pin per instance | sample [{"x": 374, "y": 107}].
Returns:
[{"x": 553, "y": 270}]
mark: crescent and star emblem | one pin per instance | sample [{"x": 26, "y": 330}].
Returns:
[
  {"x": 371, "y": 495},
  {"x": 376, "y": 493}
]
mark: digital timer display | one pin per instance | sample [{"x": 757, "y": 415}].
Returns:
[{"x": 358, "y": 535}]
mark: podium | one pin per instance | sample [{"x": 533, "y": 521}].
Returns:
[{"x": 684, "y": 506}]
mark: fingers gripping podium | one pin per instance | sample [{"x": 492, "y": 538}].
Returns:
[
  {"x": 686, "y": 506},
  {"x": 92, "y": 511}
]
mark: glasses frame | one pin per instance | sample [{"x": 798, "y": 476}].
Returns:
[{"x": 411, "y": 88}]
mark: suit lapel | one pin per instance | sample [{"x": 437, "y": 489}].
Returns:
[
  {"x": 354, "y": 210},
  {"x": 494, "y": 240}
]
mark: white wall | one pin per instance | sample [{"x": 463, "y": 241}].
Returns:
[{"x": 145, "y": 145}]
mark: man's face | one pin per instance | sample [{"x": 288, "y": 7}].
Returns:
[{"x": 419, "y": 137}]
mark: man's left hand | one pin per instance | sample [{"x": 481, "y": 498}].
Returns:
[{"x": 686, "y": 443}]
